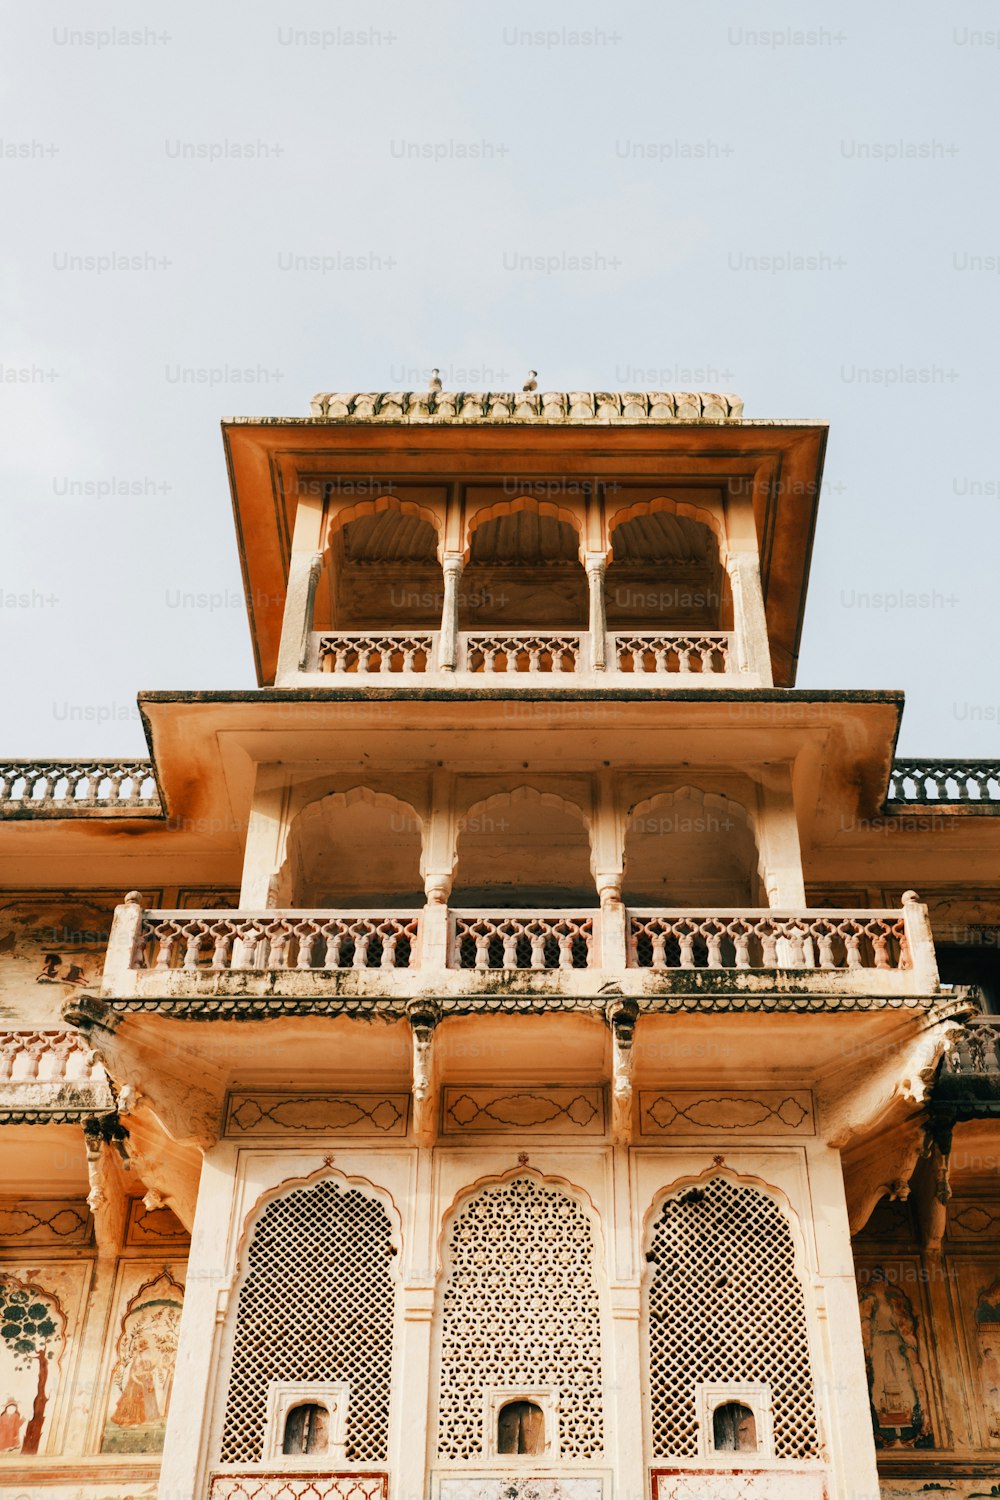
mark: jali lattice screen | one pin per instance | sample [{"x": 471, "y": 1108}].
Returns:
[
  {"x": 316, "y": 1304},
  {"x": 520, "y": 1308},
  {"x": 725, "y": 1304}
]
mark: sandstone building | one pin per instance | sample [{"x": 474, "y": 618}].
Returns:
[{"x": 526, "y": 1048}]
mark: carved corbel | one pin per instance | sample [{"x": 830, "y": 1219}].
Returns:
[
  {"x": 423, "y": 1018},
  {"x": 104, "y": 1137},
  {"x": 932, "y": 1190},
  {"x": 621, "y": 1015}
]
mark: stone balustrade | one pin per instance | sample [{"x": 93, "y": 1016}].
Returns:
[
  {"x": 399, "y": 955},
  {"x": 973, "y": 783},
  {"x": 976, "y": 1052},
  {"x": 522, "y": 656},
  {"x": 522, "y": 940},
  {"x": 768, "y": 940},
  {"x": 50, "y": 1076},
  {"x": 222, "y": 942},
  {"x": 53, "y": 1056},
  {"x": 708, "y": 652},
  {"x": 30, "y": 788}
]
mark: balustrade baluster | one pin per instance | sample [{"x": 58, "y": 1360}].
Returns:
[
  {"x": 509, "y": 937},
  {"x": 191, "y": 950},
  {"x": 880, "y": 944},
  {"x": 388, "y": 959},
  {"x": 331, "y": 957},
  {"x": 687, "y": 950},
  {"x": 852, "y": 942},
  {"x": 826, "y": 957},
  {"x": 220, "y": 953},
  {"x": 715, "y": 950},
  {"x": 659, "y": 947},
  {"x": 537, "y": 938},
  {"x": 482, "y": 950},
  {"x": 741, "y": 942},
  {"x": 565, "y": 941},
  {"x": 361, "y": 942},
  {"x": 769, "y": 948}
]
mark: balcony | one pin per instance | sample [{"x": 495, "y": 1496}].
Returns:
[
  {"x": 219, "y": 962},
  {"x": 528, "y": 659},
  {"x": 951, "y": 786},
  {"x": 968, "y": 1084},
  {"x": 67, "y": 789}
]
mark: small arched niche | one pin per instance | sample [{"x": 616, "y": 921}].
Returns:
[
  {"x": 520, "y": 1428},
  {"x": 307, "y": 1429},
  {"x": 523, "y": 571},
  {"x": 734, "y": 1428},
  {"x": 523, "y": 848},
  {"x": 354, "y": 849},
  {"x": 381, "y": 570},
  {"x": 666, "y": 573},
  {"x": 690, "y": 848}
]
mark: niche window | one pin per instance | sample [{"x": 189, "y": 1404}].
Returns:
[
  {"x": 521, "y": 1428},
  {"x": 307, "y": 1429},
  {"x": 306, "y": 1423},
  {"x": 734, "y": 1428},
  {"x": 520, "y": 1422},
  {"x": 735, "y": 1421}
]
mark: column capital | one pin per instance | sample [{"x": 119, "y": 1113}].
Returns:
[{"x": 595, "y": 562}]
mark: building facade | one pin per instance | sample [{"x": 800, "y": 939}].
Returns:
[{"x": 526, "y": 1048}]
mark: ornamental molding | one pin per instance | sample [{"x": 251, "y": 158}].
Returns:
[
  {"x": 271, "y": 1113},
  {"x": 752, "y": 1111},
  {"x": 471, "y": 1110},
  {"x": 527, "y": 406}
]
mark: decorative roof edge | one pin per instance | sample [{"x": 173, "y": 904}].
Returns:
[{"x": 527, "y": 406}]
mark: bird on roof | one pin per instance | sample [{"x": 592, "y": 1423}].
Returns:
[
  {"x": 435, "y": 381},
  {"x": 531, "y": 384}
]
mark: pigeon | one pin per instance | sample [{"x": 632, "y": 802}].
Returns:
[
  {"x": 531, "y": 384},
  {"x": 435, "y": 383}
]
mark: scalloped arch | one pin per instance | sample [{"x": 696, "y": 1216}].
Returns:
[
  {"x": 513, "y": 507},
  {"x": 698, "y": 513}
]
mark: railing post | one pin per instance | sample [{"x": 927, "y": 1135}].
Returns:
[
  {"x": 596, "y": 564},
  {"x": 124, "y": 941},
  {"x": 749, "y": 620},
  {"x": 920, "y": 942},
  {"x": 613, "y": 935},
  {"x": 451, "y": 566}
]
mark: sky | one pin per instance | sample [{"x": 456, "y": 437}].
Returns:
[{"x": 219, "y": 210}]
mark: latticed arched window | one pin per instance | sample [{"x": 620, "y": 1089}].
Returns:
[
  {"x": 520, "y": 1312},
  {"x": 725, "y": 1307},
  {"x": 316, "y": 1304}
]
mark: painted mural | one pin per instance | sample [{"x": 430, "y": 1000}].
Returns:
[
  {"x": 896, "y": 1379},
  {"x": 987, "y": 1348},
  {"x": 51, "y": 947},
  {"x": 143, "y": 1371},
  {"x": 33, "y": 1328}
]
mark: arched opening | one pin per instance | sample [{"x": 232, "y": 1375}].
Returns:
[
  {"x": 353, "y": 849},
  {"x": 381, "y": 571},
  {"x": 724, "y": 1301},
  {"x": 314, "y": 1305},
  {"x": 693, "y": 849},
  {"x": 734, "y": 1428},
  {"x": 666, "y": 574},
  {"x": 523, "y": 570},
  {"x": 523, "y": 848},
  {"x": 519, "y": 1315},
  {"x": 520, "y": 1428},
  {"x": 307, "y": 1429}
]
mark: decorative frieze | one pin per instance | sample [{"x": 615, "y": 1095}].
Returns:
[
  {"x": 516, "y": 1486},
  {"x": 732, "y": 1484},
  {"x": 558, "y": 1111},
  {"x": 750, "y": 1112},
  {"x": 345, "y": 1486},
  {"x": 527, "y": 406},
  {"x": 45, "y": 1221},
  {"x": 356, "y": 1113},
  {"x": 153, "y": 1226}
]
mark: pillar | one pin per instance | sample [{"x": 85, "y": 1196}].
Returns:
[
  {"x": 596, "y": 564},
  {"x": 452, "y": 567},
  {"x": 749, "y": 620}
]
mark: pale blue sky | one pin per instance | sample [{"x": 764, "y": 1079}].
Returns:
[{"x": 685, "y": 148}]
